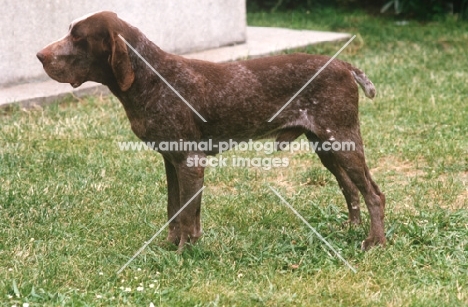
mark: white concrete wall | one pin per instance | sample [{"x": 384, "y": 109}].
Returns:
[{"x": 177, "y": 26}]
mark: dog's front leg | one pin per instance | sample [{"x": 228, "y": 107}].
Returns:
[
  {"x": 190, "y": 175},
  {"x": 173, "y": 201}
]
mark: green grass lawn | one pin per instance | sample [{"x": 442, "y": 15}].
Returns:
[{"x": 74, "y": 208}]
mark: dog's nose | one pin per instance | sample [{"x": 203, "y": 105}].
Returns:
[{"x": 40, "y": 56}]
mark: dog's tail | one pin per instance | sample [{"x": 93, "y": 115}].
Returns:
[{"x": 366, "y": 84}]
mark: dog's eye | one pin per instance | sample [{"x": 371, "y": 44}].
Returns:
[
  {"x": 79, "y": 40},
  {"x": 75, "y": 37}
]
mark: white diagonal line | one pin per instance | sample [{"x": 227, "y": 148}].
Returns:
[
  {"x": 159, "y": 231},
  {"x": 162, "y": 78},
  {"x": 313, "y": 230},
  {"x": 313, "y": 77}
]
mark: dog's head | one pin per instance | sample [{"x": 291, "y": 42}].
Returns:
[{"x": 91, "y": 51}]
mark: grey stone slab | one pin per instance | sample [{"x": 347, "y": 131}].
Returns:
[{"x": 177, "y": 26}]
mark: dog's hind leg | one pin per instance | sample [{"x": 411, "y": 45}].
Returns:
[
  {"x": 374, "y": 198},
  {"x": 350, "y": 165},
  {"x": 348, "y": 188},
  {"x": 354, "y": 164}
]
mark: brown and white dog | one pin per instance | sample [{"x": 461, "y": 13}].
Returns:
[{"x": 237, "y": 100}]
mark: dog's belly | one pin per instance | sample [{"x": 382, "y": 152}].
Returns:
[{"x": 259, "y": 120}]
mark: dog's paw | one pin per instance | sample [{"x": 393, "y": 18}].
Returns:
[
  {"x": 187, "y": 241},
  {"x": 173, "y": 238},
  {"x": 371, "y": 242},
  {"x": 351, "y": 223}
]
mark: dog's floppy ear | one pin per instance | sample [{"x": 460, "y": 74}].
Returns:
[{"x": 120, "y": 63}]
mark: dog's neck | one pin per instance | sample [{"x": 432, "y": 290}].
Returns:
[{"x": 146, "y": 84}]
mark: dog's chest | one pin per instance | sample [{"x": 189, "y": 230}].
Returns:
[{"x": 139, "y": 128}]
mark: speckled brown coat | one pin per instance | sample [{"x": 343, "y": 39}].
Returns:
[{"x": 236, "y": 99}]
